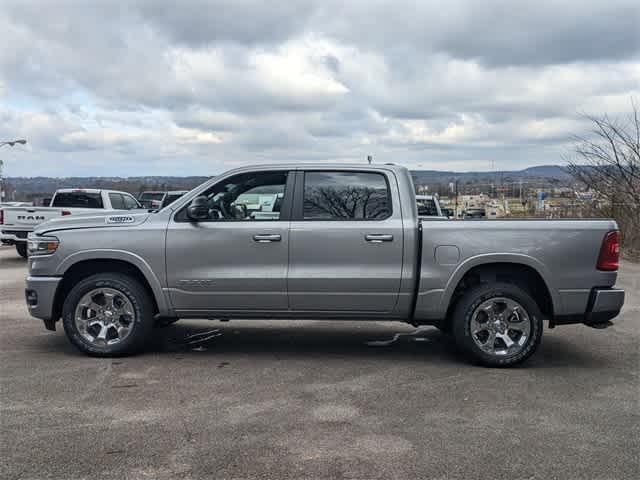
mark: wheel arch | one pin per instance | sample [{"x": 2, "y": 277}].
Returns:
[
  {"x": 522, "y": 270},
  {"x": 83, "y": 264}
]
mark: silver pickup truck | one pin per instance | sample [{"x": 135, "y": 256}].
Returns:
[{"x": 336, "y": 242}]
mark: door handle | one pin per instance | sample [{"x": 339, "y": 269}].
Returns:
[
  {"x": 378, "y": 238},
  {"x": 267, "y": 238}
]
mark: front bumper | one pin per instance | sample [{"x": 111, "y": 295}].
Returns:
[{"x": 40, "y": 295}]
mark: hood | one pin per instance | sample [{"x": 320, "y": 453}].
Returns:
[{"x": 108, "y": 220}]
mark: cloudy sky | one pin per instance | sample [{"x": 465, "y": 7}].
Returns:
[{"x": 195, "y": 87}]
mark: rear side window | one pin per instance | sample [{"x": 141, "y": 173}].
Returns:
[
  {"x": 77, "y": 200},
  {"x": 346, "y": 196},
  {"x": 116, "y": 201}
]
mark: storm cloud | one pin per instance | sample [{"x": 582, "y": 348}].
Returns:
[{"x": 195, "y": 87}]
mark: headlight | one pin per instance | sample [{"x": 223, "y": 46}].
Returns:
[{"x": 42, "y": 245}]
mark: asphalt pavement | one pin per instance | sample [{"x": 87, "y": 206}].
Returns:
[{"x": 289, "y": 399}]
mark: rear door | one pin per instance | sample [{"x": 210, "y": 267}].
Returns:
[{"x": 346, "y": 241}]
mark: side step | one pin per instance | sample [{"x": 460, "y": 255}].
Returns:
[{"x": 600, "y": 325}]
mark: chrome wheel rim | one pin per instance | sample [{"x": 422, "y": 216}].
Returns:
[
  {"x": 500, "y": 326},
  {"x": 104, "y": 316}
]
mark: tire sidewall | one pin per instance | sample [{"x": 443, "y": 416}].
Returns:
[
  {"x": 21, "y": 248},
  {"x": 128, "y": 287},
  {"x": 464, "y": 312}
]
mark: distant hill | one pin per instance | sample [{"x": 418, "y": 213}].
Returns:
[
  {"x": 548, "y": 171},
  {"x": 543, "y": 174},
  {"x": 37, "y": 187}
]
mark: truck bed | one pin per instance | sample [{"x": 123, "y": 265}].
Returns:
[{"x": 563, "y": 252}]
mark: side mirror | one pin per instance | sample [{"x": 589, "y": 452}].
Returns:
[{"x": 198, "y": 209}]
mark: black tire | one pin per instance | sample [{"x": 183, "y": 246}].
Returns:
[
  {"x": 21, "y": 248},
  {"x": 142, "y": 324},
  {"x": 463, "y": 314}
]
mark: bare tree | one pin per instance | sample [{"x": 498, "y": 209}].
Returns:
[
  {"x": 349, "y": 202},
  {"x": 607, "y": 161}
]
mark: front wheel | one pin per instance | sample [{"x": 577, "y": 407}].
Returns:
[
  {"x": 21, "y": 248},
  {"x": 108, "y": 314},
  {"x": 497, "y": 325}
]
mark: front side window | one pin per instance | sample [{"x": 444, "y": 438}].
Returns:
[
  {"x": 246, "y": 197},
  {"x": 116, "y": 200},
  {"x": 346, "y": 196},
  {"x": 130, "y": 203}
]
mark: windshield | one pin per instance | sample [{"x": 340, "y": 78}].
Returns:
[
  {"x": 171, "y": 197},
  {"x": 152, "y": 200},
  {"x": 151, "y": 196}
]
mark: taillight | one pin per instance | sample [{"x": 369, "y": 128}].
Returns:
[
  {"x": 609, "y": 258},
  {"x": 65, "y": 213}
]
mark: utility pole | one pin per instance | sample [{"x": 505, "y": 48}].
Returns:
[
  {"x": 520, "y": 190},
  {"x": 455, "y": 212}
]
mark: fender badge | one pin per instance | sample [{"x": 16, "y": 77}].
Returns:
[{"x": 120, "y": 219}]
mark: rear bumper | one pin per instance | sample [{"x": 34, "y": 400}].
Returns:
[
  {"x": 603, "y": 305},
  {"x": 40, "y": 294},
  {"x": 13, "y": 235}
]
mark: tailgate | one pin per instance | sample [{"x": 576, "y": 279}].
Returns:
[{"x": 27, "y": 218}]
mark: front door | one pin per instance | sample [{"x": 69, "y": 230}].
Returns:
[
  {"x": 237, "y": 259},
  {"x": 346, "y": 242}
]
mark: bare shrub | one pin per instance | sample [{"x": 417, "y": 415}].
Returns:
[{"x": 607, "y": 161}]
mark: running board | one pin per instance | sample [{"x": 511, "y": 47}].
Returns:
[{"x": 601, "y": 325}]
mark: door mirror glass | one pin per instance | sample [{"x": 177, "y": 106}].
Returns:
[{"x": 198, "y": 209}]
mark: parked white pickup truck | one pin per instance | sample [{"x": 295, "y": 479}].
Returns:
[
  {"x": 429, "y": 206},
  {"x": 17, "y": 222}
]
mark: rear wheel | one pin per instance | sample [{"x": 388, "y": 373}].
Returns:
[
  {"x": 21, "y": 248},
  {"x": 497, "y": 325},
  {"x": 108, "y": 314}
]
